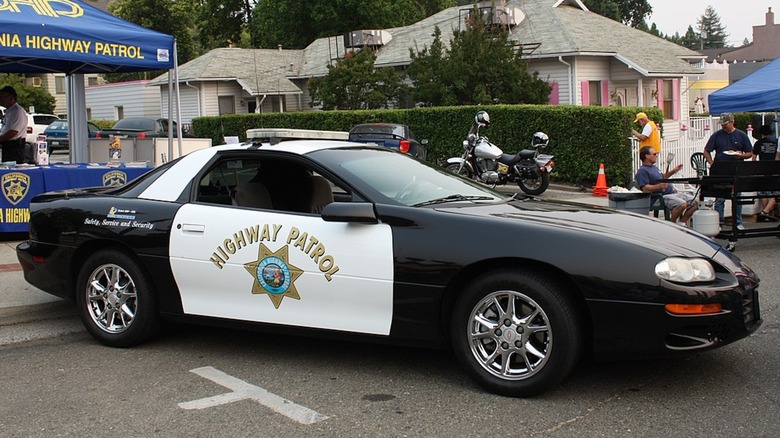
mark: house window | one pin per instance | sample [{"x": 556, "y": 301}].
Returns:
[
  {"x": 59, "y": 84},
  {"x": 594, "y": 92},
  {"x": 227, "y": 104},
  {"x": 119, "y": 112},
  {"x": 668, "y": 99},
  {"x": 92, "y": 80}
]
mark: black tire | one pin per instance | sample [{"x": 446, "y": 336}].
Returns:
[
  {"x": 520, "y": 350},
  {"x": 464, "y": 170},
  {"x": 535, "y": 186},
  {"x": 116, "y": 299}
]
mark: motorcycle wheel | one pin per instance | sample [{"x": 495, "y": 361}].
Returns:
[
  {"x": 515, "y": 332},
  {"x": 464, "y": 171},
  {"x": 535, "y": 185}
]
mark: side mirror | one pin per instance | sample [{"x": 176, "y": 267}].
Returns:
[{"x": 361, "y": 212}]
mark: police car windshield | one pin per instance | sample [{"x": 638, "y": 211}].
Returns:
[{"x": 391, "y": 177}]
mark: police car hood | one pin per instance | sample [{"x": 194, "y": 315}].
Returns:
[{"x": 556, "y": 217}]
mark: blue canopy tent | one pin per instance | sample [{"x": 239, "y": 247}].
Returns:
[
  {"x": 72, "y": 37},
  {"x": 757, "y": 92}
]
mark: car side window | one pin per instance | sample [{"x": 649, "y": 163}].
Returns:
[
  {"x": 275, "y": 184},
  {"x": 219, "y": 184}
]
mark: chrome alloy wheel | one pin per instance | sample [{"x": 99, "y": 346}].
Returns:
[
  {"x": 111, "y": 298},
  {"x": 510, "y": 335}
]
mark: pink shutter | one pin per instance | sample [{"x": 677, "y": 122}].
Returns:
[
  {"x": 659, "y": 100},
  {"x": 676, "y": 99},
  {"x": 554, "y": 96},
  {"x": 585, "y": 93},
  {"x": 604, "y": 93}
]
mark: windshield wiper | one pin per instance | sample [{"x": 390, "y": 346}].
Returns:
[{"x": 453, "y": 198}]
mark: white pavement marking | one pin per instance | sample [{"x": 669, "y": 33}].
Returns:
[{"x": 243, "y": 391}]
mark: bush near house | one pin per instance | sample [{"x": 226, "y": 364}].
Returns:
[{"x": 580, "y": 137}]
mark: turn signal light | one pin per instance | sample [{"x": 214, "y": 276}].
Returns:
[
  {"x": 693, "y": 309},
  {"x": 404, "y": 146}
]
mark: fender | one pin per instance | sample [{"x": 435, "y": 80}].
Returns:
[{"x": 458, "y": 160}]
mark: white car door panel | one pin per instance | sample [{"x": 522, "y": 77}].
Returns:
[{"x": 283, "y": 268}]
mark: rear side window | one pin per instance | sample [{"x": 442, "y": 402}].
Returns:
[{"x": 44, "y": 120}]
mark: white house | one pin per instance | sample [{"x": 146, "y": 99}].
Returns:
[
  {"x": 588, "y": 60},
  {"x": 118, "y": 100}
]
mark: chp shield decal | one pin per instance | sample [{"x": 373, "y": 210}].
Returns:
[
  {"x": 15, "y": 186},
  {"x": 114, "y": 178},
  {"x": 274, "y": 275}
]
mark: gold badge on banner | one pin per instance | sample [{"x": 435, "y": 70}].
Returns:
[
  {"x": 15, "y": 185},
  {"x": 114, "y": 178}
]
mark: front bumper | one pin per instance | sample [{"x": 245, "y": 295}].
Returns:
[{"x": 635, "y": 330}]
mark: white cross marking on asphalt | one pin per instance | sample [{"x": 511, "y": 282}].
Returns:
[{"x": 243, "y": 391}]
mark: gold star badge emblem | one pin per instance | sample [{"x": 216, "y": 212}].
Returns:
[{"x": 274, "y": 275}]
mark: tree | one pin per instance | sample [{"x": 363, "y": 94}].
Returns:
[
  {"x": 630, "y": 12},
  {"x": 480, "y": 67},
  {"x": 296, "y": 24},
  {"x": 167, "y": 16},
  {"x": 221, "y": 23},
  {"x": 28, "y": 96},
  {"x": 353, "y": 83},
  {"x": 711, "y": 31}
]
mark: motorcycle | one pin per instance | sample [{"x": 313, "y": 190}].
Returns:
[{"x": 485, "y": 162}]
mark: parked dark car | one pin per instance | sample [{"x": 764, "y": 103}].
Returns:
[
  {"x": 390, "y": 135},
  {"x": 57, "y": 135},
  {"x": 140, "y": 127}
]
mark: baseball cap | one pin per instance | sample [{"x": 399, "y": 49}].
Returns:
[
  {"x": 640, "y": 116},
  {"x": 726, "y": 117}
]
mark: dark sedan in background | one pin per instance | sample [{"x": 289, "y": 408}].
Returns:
[
  {"x": 57, "y": 136},
  {"x": 140, "y": 127},
  {"x": 390, "y": 135}
]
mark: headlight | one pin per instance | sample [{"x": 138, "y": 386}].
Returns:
[{"x": 685, "y": 270}]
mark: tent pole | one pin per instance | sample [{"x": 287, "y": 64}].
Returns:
[
  {"x": 178, "y": 95},
  {"x": 77, "y": 118}
]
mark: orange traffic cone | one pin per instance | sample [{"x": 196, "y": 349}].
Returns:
[{"x": 600, "y": 189}]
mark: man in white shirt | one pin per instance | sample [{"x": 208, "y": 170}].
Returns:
[{"x": 14, "y": 130}]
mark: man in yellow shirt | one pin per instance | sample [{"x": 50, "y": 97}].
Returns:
[{"x": 650, "y": 136}]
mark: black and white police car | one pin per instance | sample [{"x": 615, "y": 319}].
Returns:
[{"x": 322, "y": 236}]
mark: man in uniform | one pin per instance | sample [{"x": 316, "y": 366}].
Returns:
[{"x": 14, "y": 130}]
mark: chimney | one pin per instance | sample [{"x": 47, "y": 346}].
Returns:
[{"x": 770, "y": 17}]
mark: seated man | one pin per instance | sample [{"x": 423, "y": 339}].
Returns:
[{"x": 648, "y": 178}]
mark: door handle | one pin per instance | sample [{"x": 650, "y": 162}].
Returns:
[{"x": 192, "y": 228}]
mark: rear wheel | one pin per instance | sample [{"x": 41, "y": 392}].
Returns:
[
  {"x": 536, "y": 184},
  {"x": 515, "y": 333},
  {"x": 116, "y": 299}
]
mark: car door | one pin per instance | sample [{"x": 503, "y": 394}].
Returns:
[{"x": 279, "y": 266}]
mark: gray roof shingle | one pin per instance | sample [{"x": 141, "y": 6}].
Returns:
[{"x": 559, "y": 27}]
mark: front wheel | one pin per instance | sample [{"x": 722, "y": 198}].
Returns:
[
  {"x": 515, "y": 332},
  {"x": 458, "y": 169},
  {"x": 534, "y": 184},
  {"x": 116, "y": 299}
]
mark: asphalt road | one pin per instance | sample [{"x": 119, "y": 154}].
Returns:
[{"x": 198, "y": 382}]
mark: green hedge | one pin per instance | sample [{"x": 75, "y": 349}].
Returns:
[{"x": 580, "y": 137}]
